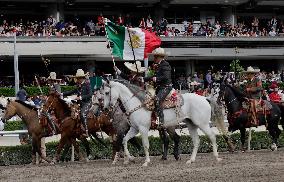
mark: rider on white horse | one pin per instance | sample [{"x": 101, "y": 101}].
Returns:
[{"x": 163, "y": 80}]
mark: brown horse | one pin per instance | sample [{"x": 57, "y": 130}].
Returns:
[
  {"x": 30, "y": 116},
  {"x": 69, "y": 127}
]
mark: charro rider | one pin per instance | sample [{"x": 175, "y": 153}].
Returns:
[
  {"x": 84, "y": 95},
  {"x": 253, "y": 90},
  {"x": 163, "y": 80},
  {"x": 54, "y": 85},
  {"x": 53, "y": 82}
]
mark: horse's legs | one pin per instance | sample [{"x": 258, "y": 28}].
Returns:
[
  {"x": 145, "y": 141},
  {"x": 192, "y": 128},
  {"x": 130, "y": 134},
  {"x": 165, "y": 139},
  {"x": 77, "y": 149},
  {"x": 117, "y": 147},
  {"x": 87, "y": 147},
  {"x": 243, "y": 138},
  {"x": 209, "y": 132},
  {"x": 61, "y": 144},
  {"x": 274, "y": 132},
  {"x": 176, "y": 139}
]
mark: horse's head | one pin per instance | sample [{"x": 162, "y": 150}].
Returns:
[
  {"x": 222, "y": 93},
  {"x": 51, "y": 101},
  {"x": 10, "y": 111},
  {"x": 109, "y": 93}
]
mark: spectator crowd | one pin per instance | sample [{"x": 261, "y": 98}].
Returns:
[{"x": 95, "y": 27}]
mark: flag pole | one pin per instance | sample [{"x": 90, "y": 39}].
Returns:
[
  {"x": 108, "y": 42},
  {"x": 132, "y": 49}
]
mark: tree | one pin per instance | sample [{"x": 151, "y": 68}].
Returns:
[{"x": 235, "y": 66}]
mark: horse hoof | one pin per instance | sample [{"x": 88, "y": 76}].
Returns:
[
  {"x": 113, "y": 163},
  {"x": 177, "y": 157},
  {"x": 132, "y": 158},
  {"x": 273, "y": 147},
  {"x": 190, "y": 161},
  {"x": 218, "y": 159},
  {"x": 164, "y": 158},
  {"x": 145, "y": 164}
]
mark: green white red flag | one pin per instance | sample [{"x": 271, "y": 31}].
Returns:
[{"x": 123, "y": 38}]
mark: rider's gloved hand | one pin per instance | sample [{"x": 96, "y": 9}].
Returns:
[{"x": 117, "y": 70}]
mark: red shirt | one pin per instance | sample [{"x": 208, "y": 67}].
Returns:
[{"x": 274, "y": 97}]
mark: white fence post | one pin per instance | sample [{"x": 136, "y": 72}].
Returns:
[
  {"x": 72, "y": 153},
  {"x": 249, "y": 139}
]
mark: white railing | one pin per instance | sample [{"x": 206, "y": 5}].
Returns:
[{"x": 25, "y": 132}]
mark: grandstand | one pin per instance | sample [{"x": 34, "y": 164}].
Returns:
[{"x": 197, "y": 33}]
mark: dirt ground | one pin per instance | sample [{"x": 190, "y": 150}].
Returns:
[{"x": 250, "y": 166}]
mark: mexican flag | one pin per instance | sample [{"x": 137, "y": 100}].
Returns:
[{"x": 123, "y": 38}]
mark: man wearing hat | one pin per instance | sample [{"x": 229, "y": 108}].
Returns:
[
  {"x": 136, "y": 71},
  {"x": 84, "y": 95},
  {"x": 253, "y": 89},
  {"x": 53, "y": 82},
  {"x": 163, "y": 80}
]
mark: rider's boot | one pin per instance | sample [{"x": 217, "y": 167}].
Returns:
[
  {"x": 51, "y": 122},
  {"x": 84, "y": 129}
]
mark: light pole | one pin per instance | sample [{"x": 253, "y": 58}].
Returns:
[{"x": 16, "y": 66}]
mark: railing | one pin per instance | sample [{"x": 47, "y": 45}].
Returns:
[{"x": 25, "y": 132}]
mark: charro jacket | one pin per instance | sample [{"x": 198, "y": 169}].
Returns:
[{"x": 163, "y": 75}]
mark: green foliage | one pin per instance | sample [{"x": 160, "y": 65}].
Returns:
[
  {"x": 13, "y": 125},
  {"x": 236, "y": 66},
  {"x": 22, "y": 154},
  {"x": 10, "y": 92}
]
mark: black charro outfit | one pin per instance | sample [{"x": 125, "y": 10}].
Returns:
[{"x": 163, "y": 76}]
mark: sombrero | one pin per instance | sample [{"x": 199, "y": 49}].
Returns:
[
  {"x": 251, "y": 70},
  {"x": 80, "y": 74},
  {"x": 52, "y": 76},
  {"x": 132, "y": 67},
  {"x": 159, "y": 52}
]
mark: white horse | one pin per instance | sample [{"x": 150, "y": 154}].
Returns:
[{"x": 195, "y": 112}]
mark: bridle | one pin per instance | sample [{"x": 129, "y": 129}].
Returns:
[{"x": 113, "y": 108}]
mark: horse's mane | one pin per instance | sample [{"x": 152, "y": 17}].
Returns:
[
  {"x": 136, "y": 90},
  {"x": 62, "y": 102},
  {"x": 236, "y": 91},
  {"x": 26, "y": 105}
]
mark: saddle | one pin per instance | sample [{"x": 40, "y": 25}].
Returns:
[
  {"x": 254, "y": 108},
  {"x": 173, "y": 100}
]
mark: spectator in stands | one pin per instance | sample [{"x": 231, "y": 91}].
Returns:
[
  {"x": 149, "y": 23},
  {"x": 142, "y": 23},
  {"x": 272, "y": 32},
  {"x": 208, "y": 79},
  {"x": 273, "y": 22}
]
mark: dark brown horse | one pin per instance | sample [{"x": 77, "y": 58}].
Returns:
[
  {"x": 69, "y": 127},
  {"x": 30, "y": 116}
]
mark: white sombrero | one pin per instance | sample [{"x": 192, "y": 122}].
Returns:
[
  {"x": 251, "y": 70},
  {"x": 52, "y": 76},
  {"x": 159, "y": 52},
  {"x": 132, "y": 67},
  {"x": 80, "y": 74}
]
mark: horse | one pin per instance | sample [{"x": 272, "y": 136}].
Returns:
[
  {"x": 29, "y": 115},
  {"x": 195, "y": 113},
  {"x": 68, "y": 127},
  {"x": 238, "y": 117}
]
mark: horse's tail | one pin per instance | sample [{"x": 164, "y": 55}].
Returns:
[{"x": 217, "y": 117}]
